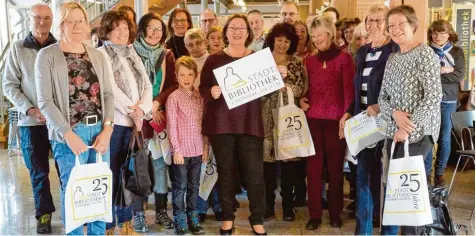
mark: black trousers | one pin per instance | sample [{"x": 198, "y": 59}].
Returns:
[
  {"x": 289, "y": 184},
  {"x": 421, "y": 147},
  {"x": 300, "y": 187},
  {"x": 248, "y": 150},
  {"x": 270, "y": 175}
]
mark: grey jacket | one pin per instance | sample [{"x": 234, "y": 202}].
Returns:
[
  {"x": 19, "y": 77},
  {"x": 52, "y": 87}
]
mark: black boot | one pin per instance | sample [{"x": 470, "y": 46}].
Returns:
[
  {"x": 161, "y": 216},
  {"x": 269, "y": 213}
]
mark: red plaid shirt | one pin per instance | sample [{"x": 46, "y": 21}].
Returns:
[{"x": 184, "y": 122}]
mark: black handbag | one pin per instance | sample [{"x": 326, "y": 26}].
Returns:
[
  {"x": 442, "y": 220},
  {"x": 138, "y": 171}
]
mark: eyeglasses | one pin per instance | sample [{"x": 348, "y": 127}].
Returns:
[
  {"x": 234, "y": 29},
  {"x": 177, "y": 21},
  {"x": 400, "y": 25},
  {"x": 434, "y": 33},
  {"x": 290, "y": 14},
  {"x": 204, "y": 21},
  {"x": 75, "y": 22},
  {"x": 376, "y": 21},
  {"x": 39, "y": 18},
  {"x": 192, "y": 45},
  {"x": 154, "y": 29}
]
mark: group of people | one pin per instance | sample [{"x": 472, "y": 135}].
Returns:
[{"x": 78, "y": 101}]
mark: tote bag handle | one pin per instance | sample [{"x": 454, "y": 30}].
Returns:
[
  {"x": 290, "y": 93},
  {"x": 405, "y": 149},
  {"x": 98, "y": 157}
]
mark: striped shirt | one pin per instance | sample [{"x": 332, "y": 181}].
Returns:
[
  {"x": 184, "y": 122},
  {"x": 370, "y": 62}
]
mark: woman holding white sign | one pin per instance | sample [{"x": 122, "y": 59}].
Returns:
[
  {"x": 331, "y": 91},
  {"x": 370, "y": 62},
  {"x": 76, "y": 98},
  {"x": 410, "y": 99},
  {"x": 236, "y": 135},
  {"x": 282, "y": 40}
]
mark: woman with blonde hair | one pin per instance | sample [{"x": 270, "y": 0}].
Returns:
[
  {"x": 360, "y": 38},
  {"x": 331, "y": 91},
  {"x": 370, "y": 61},
  {"x": 76, "y": 98}
]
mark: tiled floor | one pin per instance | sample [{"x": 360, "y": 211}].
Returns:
[{"x": 17, "y": 207}]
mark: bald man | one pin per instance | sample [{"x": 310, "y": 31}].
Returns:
[
  {"x": 19, "y": 87},
  {"x": 208, "y": 19},
  {"x": 289, "y": 12}
]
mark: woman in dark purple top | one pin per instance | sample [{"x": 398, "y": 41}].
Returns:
[{"x": 236, "y": 135}]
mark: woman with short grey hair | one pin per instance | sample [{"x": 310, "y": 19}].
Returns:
[{"x": 411, "y": 94}]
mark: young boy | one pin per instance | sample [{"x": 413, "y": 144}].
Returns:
[{"x": 184, "y": 109}]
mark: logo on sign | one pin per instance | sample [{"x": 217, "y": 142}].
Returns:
[{"x": 232, "y": 80}]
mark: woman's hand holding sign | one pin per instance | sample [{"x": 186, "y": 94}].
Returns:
[
  {"x": 216, "y": 92},
  {"x": 283, "y": 70}
]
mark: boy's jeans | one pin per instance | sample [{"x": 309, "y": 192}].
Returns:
[
  {"x": 66, "y": 161},
  {"x": 186, "y": 181}
]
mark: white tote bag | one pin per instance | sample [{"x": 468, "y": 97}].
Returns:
[
  {"x": 292, "y": 137},
  {"x": 362, "y": 131},
  {"x": 88, "y": 194},
  {"x": 406, "y": 197},
  {"x": 159, "y": 146},
  {"x": 208, "y": 176}
]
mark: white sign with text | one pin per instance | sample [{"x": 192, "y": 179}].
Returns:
[{"x": 249, "y": 78}]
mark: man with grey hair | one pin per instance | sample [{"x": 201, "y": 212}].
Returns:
[
  {"x": 208, "y": 19},
  {"x": 255, "y": 17},
  {"x": 19, "y": 87}
]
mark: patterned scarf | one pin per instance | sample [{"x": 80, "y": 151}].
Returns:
[
  {"x": 115, "y": 51},
  {"x": 444, "y": 53},
  {"x": 149, "y": 55}
]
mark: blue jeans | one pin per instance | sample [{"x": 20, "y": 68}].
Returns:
[
  {"x": 160, "y": 172},
  {"x": 444, "y": 141},
  {"x": 66, "y": 161},
  {"x": 36, "y": 147},
  {"x": 421, "y": 147},
  {"x": 119, "y": 147},
  {"x": 369, "y": 169},
  {"x": 202, "y": 205},
  {"x": 186, "y": 182}
]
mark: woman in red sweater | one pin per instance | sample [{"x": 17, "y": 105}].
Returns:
[{"x": 331, "y": 91}]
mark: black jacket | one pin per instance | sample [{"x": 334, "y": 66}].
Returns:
[
  {"x": 376, "y": 76},
  {"x": 450, "y": 81}
]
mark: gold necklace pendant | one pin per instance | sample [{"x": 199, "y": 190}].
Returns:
[{"x": 324, "y": 65}]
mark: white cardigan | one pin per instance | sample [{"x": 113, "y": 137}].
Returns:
[{"x": 121, "y": 100}]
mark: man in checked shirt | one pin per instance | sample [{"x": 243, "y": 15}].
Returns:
[{"x": 184, "y": 109}]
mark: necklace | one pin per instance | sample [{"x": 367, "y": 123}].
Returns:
[
  {"x": 234, "y": 58},
  {"x": 373, "y": 50}
]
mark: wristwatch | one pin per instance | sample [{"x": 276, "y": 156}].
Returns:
[{"x": 109, "y": 123}]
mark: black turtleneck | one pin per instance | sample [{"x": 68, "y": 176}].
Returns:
[
  {"x": 330, "y": 54},
  {"x": 177, "y": 45}
]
